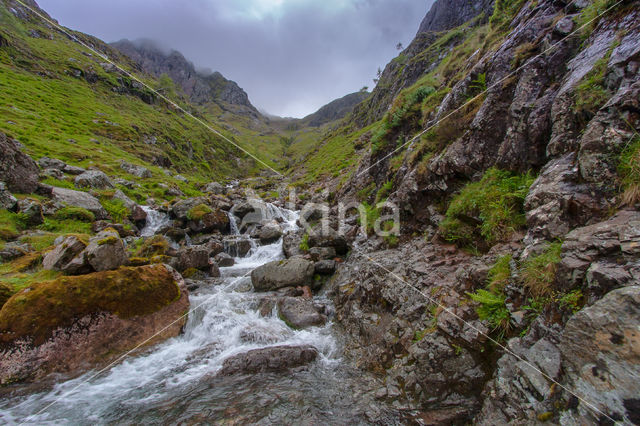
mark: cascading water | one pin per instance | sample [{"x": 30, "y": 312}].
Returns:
[
  {"x": 155, "y": 221},
  {"x": 176, "y": 381}
]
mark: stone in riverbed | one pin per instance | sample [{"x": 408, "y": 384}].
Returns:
[
  {"x": 300, "y": 313},
  {"x": 223, "y": 260},
  {"x": 282, "y": 273},
  {"x": 274, "y": 359},
  {"x": 193, "y": 257},
  {"x": 325, "y": 267}
]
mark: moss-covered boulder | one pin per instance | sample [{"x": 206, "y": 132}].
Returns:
[{"x": 73, "y": 323}]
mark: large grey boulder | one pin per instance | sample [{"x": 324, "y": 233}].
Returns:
[
  {"x": 93, "y": 179},
  {"x": 7, "y": 200},
  {"x": 274, "y": 359},
  {"x": 604, "y": 254},
  {"x": 270, "y": 233},
  {"x": 80, "y": 199},
  {"x": 73, "y": 170},
  {"x": 17, "y": 170},
  {"x": 223, "y": 260},
  {"x": 322, "y": 253},
  {"x": 138, "y": 171},
  {"x": 299, "y": 313},
  {"x": 282, "y": 273},
  {"x": 64, "y": 253},
  {"x": 105, "y": 251}
]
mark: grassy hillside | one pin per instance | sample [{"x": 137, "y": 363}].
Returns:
[{"x": 61, "y": 100}]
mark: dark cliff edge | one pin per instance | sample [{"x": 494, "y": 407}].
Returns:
[{"x": 335, "y": 110}]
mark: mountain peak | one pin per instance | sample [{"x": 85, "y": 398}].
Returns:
[{"x": 199, "y": 86}]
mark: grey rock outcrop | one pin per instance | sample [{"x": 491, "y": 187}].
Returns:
[{"x": 300, "y": 313}]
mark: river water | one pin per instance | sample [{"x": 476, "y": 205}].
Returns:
[{"x": 176, "y": 380}]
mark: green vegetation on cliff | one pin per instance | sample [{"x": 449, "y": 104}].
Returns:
[{"x": 487, "y": 211}]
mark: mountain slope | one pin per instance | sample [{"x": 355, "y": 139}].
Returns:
[
  {"x": 59, "y": 99},
  {"x": 200, "y": 88}
]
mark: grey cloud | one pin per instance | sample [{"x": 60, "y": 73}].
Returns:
[{"x": 290, "y": 62}]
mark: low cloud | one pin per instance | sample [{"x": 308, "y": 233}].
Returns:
[{"x": 291, "y": 56}]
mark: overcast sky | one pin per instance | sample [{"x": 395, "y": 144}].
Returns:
[{"x": 290, "y": 56}]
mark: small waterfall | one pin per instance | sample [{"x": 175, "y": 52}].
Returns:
[
  {"x": 233, "y": 223},
  {"x": 155, "y": 221},
  {"x": 187, "y": 240}
]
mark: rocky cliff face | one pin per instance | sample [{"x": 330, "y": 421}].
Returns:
[
  {"x": 445, "y": 15},
  {"x": 200, "y": 88},
  {"x": 541, "y": 99}
]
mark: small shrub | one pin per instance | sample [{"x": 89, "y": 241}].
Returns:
[
  {"x": 503, "y": 13},
  {"x": 198, "y": 212},
  {"x": 629, "y": 170},
  {"x": 539, "y": 272},
  {"x": 384, "y": 191},
  {"x": 116, "y": 209},
  {"x": 478, "y": 85},
  {"x": 500, "y": 274},
  {"x": 371, "y": 215},
  {"x": 489, "y": 210},
  {"x": 571, "y": 301},
  {"x": 523, "y": 53},
  {"x": 75, "y": 213},
  {"x": 304, "y": 244},
  {"x": 492, "y": 309}
]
